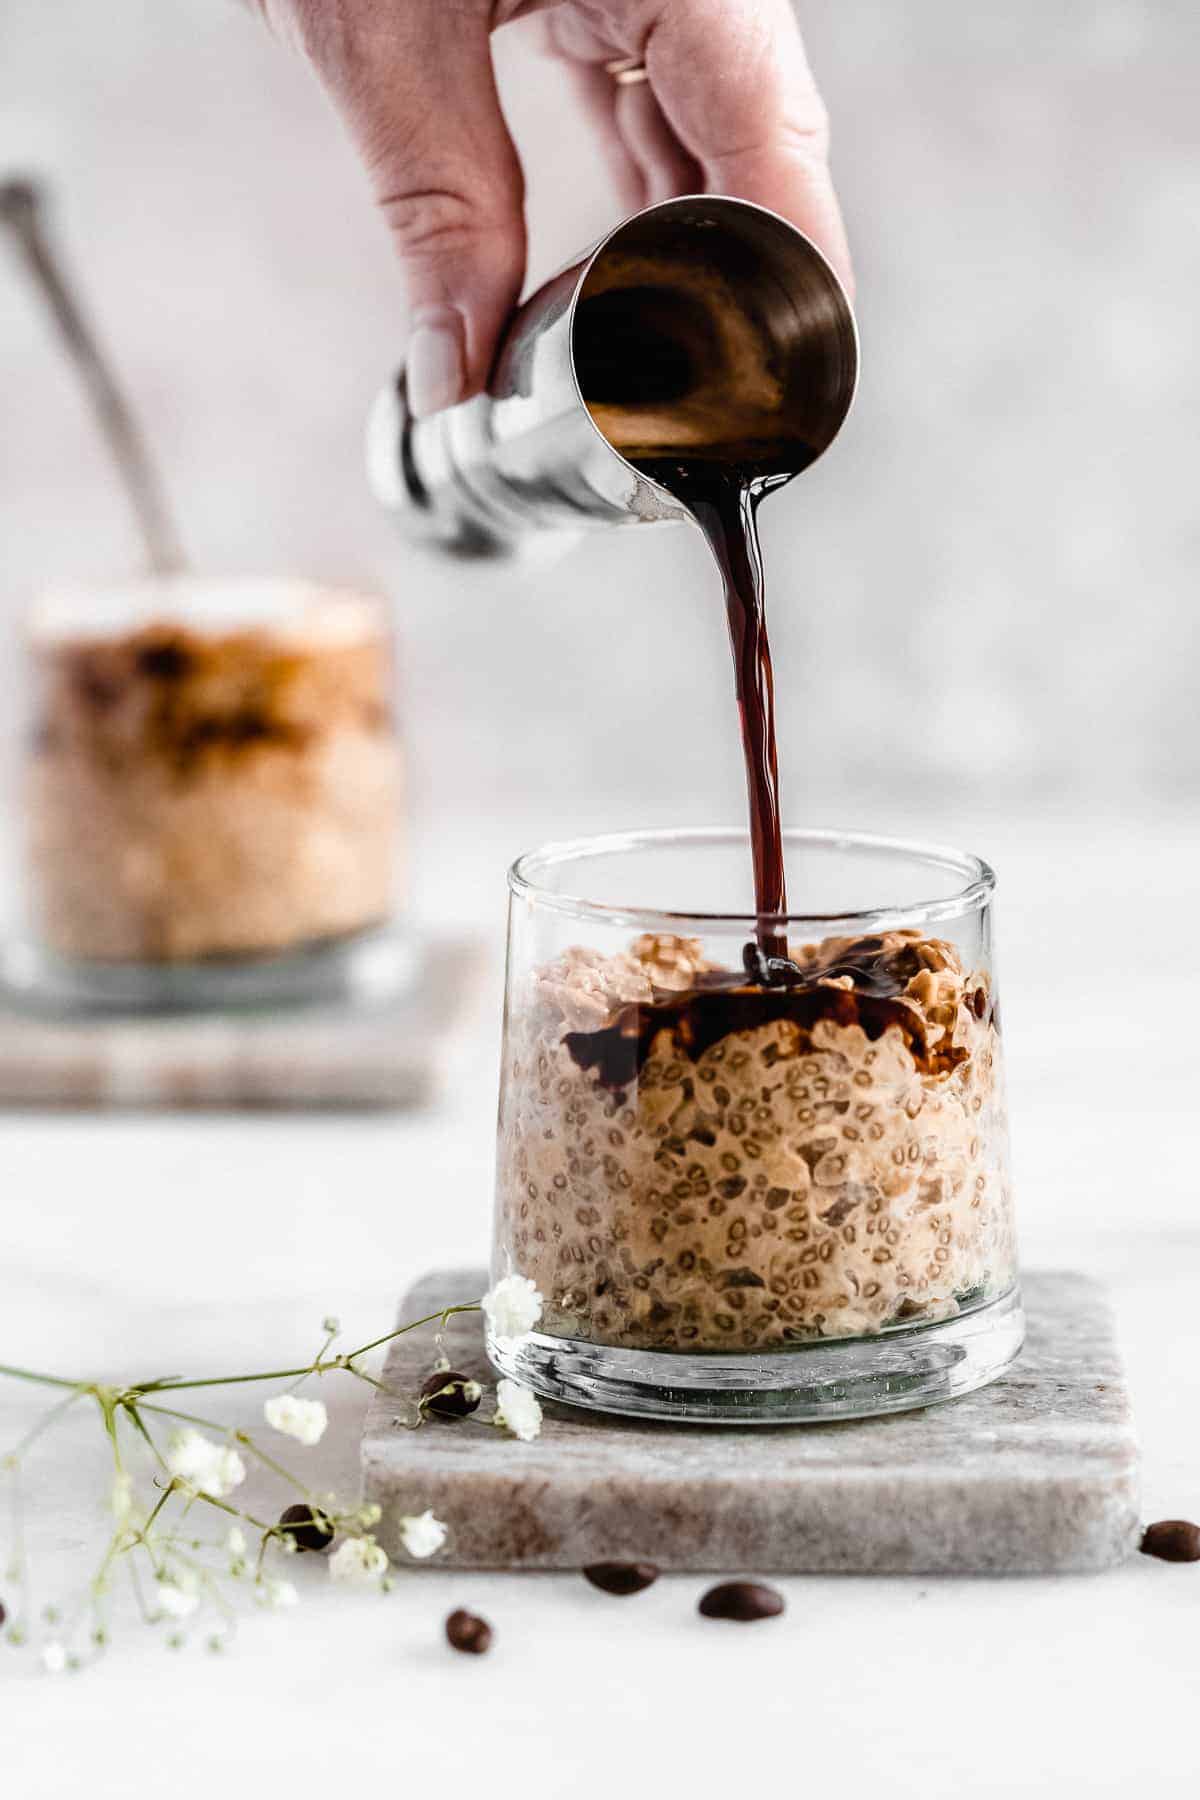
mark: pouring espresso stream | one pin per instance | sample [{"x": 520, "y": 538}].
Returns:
[
  {"x": 708, "y": 344},
  {"x": 684, "y": 384},
  {"x": 724, "y": 499}
]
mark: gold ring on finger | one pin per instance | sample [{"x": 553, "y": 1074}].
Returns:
[{"x": 627, "y": 71}]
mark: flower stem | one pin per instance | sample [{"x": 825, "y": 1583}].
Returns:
[
  {"x": 177, "y": 1387},
  {"x": 135, "y": 1581},
  {"x": 159, "y": 1504},
  {"x": 314, "y": 1368},
  {"x": 316, "y": 1363},
  {"x": 379, "y": 1386},
  {"x": 171, "y": 1385},
  {"x": 169, "y": 1412},
  {"x": 58, "y": 1381},
  {"x": 134, "y": 1415},
  {"x": 236, "y": 1512},
  {"x": 44, "y": 1423},
  {"x": 447, "y": 1312},
  {"x": 248, "y": 1443}
]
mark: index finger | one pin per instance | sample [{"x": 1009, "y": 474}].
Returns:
[{"x": 734, "y": 84}]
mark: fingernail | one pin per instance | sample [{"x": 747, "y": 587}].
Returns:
[{"x": 434, "y": 367}]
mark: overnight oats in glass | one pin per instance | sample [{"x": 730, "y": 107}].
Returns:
[
  {"x": 748, "y": 1185},
  {"x": 209, "y": 796}
]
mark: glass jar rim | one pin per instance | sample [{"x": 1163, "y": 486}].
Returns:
[{"x": 979, "y": 880}]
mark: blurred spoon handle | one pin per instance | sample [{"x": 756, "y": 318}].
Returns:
[{"x": 22, "y": 210}]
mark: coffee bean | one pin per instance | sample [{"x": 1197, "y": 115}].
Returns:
[
  {"x": 466, "y": 1632},
  {"x": 621, "y": 1578},
  {"x": 1174, "y": 1540},
  {"x": 307, "y": 1529},
  {"x": 741, "y": 1600},
  {"x": 448, "y": 1395},
  {"x": 3, "y": 1614}
]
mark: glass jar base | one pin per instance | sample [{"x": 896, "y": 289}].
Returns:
[
  {"x": 368, "y": 966},
  {"x": 830, "y": 1378}
]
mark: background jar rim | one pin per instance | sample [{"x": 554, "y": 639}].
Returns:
[{"x": 978, "y": 881}]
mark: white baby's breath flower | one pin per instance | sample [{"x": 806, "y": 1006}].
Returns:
[
  {"x": 235, "y": 1541},
  {"x": 54, "y": 1659},
  {"x": 513, "y": 1307},
  {"x": 177, "y": 1594},
  {"x": 304, "y": 1420},
  {"x": 212, "y": 1469},
  {"x": 518, "y": 1409},
  {"x": 421, "y": 1534},
  {"x": 358, "y": 1561},
  {"x": 276, "y": 1594}
]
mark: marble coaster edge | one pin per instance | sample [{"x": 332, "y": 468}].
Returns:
[
  {"x": 567, "y": 1499},
  {"x": 375, "y": 1056}
]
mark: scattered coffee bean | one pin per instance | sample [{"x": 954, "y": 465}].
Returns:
[
  {"x": 3, "y": 1614},
  {"x": 1174, "y": 1540},
  {"x": 621, "y": 1578},
  {"x": 307, "y": 1529},
  {"x": 466, "y": 1632},
  {"x": 449, "y": 1395},
  {"x": 741, "y": 1600}
]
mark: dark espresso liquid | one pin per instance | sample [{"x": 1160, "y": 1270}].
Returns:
[
  {"x": 650, "y": 360},
  {"x": 725, "y": 1002},
  {"x": 723, "y": 497}
]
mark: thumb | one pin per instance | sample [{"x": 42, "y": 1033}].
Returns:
[{"x": 415, "y": 82}]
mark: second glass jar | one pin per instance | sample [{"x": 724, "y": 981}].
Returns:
[{"x": 210, "y": 795}]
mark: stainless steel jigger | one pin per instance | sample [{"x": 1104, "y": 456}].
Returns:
[{"x": 698, "y": 320}]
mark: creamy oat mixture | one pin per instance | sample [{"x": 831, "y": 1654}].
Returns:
[
  {"x": 215, "y": 775},
  {"x": 692, "y": 1160}
]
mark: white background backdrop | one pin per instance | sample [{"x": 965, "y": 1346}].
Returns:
[
  {"x": 984, "y": 611},
  {"x": 984, "y": 598}
]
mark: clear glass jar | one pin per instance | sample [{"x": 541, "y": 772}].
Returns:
[
  {"x": 748, "y": 1190},
  {"x": 208, "y": 796}
]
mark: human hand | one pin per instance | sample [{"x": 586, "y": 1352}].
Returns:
[{"x": 727, "y": 104}]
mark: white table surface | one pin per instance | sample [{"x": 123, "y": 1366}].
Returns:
[{"x": 135, "y": 1244}]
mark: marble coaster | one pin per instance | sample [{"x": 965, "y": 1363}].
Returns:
[
  {"x": 387, "y": 1053},
  {"x": 1036, "y": 1474}
]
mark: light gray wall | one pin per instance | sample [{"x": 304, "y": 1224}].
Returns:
[{"x": 984, "y": 596}]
